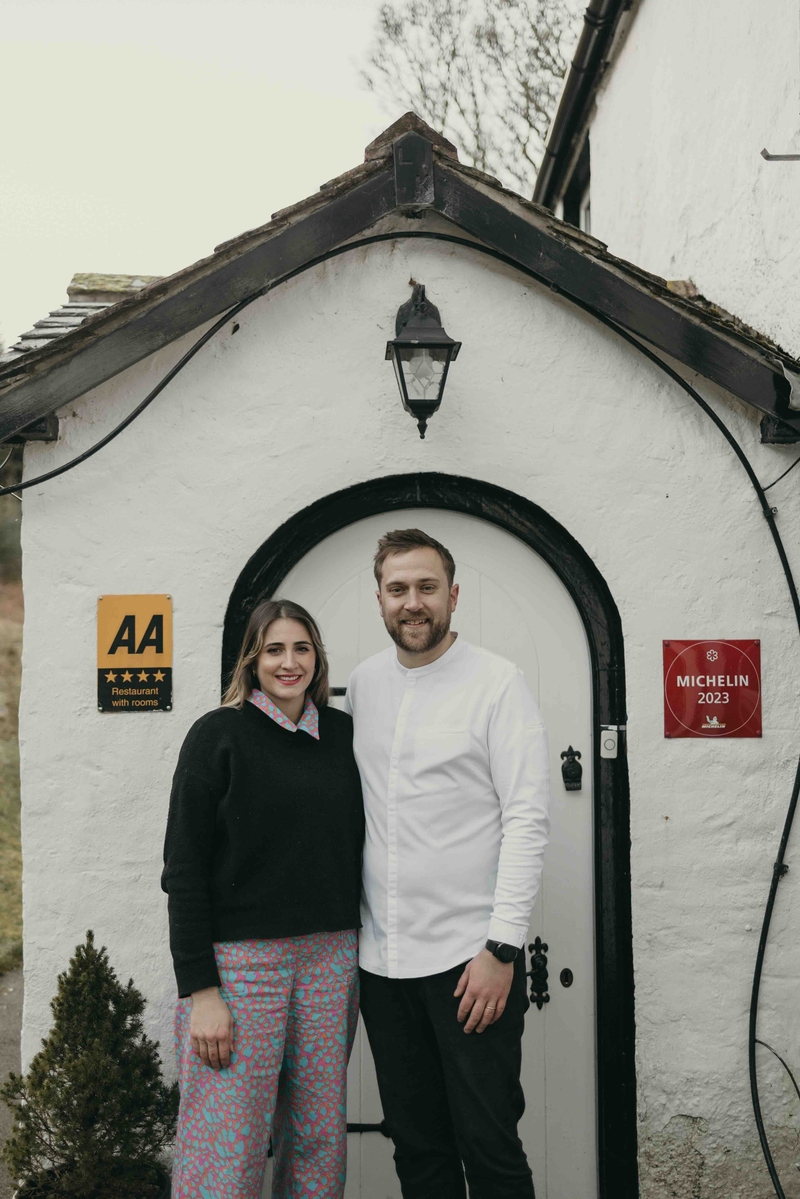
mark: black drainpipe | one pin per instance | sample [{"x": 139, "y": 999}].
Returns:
[{"x": 599, "y": 23}]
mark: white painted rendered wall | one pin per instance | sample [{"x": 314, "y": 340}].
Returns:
[
  {"x": 542, "y": 401},
  {"x": 678, "y": 182}
]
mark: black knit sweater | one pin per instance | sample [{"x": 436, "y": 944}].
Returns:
[{"x": 264, "y": 836}]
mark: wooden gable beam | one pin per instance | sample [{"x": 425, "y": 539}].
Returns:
[
  {"x": 114, "y": 345},
  {"x": 414, "y": 180},
  {"x": 598, "y": 286}
]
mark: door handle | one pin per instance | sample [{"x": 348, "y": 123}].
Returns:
[
  {"x": 538, "y": 973},
  {"x": 539, "y": 976},
  {"x": 571, "y": 769}
]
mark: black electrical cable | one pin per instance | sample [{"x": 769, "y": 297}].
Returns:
[
  {"x": 139, "y": 409},
  {"x": 779, "y": 867},
  {"x": 782, "y": 1062},
  {"x": 783, "y": 476}
]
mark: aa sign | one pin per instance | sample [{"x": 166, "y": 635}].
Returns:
[{"x": 134, "y": 653}]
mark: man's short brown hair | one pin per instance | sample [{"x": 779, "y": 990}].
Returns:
[{"x": 402, "y": 540}]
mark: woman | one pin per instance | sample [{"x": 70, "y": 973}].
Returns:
[{"x": 262, "y": 868}]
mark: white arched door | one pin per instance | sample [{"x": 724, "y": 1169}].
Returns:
[{"x": 512, "y": 603}]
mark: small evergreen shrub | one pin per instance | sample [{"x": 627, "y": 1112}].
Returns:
[{"x": 93, "y": 1114}]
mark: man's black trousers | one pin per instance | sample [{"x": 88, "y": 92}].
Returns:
[{"x": 452, "y": 1100}]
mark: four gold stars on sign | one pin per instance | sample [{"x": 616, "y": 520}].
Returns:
[{"x": 143, "y": 676}]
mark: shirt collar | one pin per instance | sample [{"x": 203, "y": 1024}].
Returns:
[
  {"x": 450, "y": 654},
  {"x": 308, "y": 722}
]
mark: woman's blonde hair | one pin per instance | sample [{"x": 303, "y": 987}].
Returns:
[{"x": 244, "y": 677}]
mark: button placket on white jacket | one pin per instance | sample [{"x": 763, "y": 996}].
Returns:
[{"x": 453, "y": 758}]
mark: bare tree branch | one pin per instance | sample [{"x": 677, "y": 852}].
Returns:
[{"x": 486, "y": 73}]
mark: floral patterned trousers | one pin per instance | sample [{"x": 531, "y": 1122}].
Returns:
[{"x": 294, "y": 1003}]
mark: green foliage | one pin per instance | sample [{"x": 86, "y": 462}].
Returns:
[{"x": 93, "y": 1113}]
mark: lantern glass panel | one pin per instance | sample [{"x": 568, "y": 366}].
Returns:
[{"x": 423, "y": 368}]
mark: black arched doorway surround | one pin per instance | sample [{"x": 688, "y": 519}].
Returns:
[{"x": 281, "y": 551}]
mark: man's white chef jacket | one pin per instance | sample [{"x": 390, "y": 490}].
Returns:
[{"x": 454, "y": 767}]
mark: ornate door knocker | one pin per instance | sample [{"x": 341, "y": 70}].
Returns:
[{"x": 571, "y": 769}]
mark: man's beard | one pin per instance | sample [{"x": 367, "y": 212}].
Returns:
[{"x": 432, "y": 634}]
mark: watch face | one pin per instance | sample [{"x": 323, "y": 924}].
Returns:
[{"x": 506, "y": 953}]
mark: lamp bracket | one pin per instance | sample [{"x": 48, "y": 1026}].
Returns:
[{"x": 417, "y": 309}]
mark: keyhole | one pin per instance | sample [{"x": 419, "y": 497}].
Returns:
[{"x": 566, "y": 977}]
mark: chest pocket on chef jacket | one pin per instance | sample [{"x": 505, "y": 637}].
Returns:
[{"x": 436, "y": 753}]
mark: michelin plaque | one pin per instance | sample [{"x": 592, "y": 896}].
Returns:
[
  {"x": 134, "y": 653},
  {"x": 712, "y": 688}
]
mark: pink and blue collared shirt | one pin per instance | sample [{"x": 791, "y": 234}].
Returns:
[{"x": 308, "y": 722}]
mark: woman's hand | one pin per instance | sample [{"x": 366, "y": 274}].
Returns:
[{"x": 211, "y": 1028}]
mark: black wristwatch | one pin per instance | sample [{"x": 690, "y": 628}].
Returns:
[{"x": 503, "y": 953}]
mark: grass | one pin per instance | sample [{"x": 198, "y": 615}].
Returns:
[{"x": 10, "y": 850}]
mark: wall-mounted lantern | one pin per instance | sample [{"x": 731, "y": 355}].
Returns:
[{"x": 421, "y": 353}]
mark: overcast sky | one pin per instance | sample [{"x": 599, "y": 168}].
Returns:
[{"x": 141, "y": 133}]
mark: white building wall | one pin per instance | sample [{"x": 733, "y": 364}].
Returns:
[
  {"x": 300, "y": 403},
  {"x": 678, "y": 182}
]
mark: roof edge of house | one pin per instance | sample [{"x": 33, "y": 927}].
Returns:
[{"x": 411, "y": 176}]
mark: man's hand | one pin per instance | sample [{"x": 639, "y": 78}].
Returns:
[
  {"x": 211, "y": 1028},
  {"x": 484, "y": 985}
]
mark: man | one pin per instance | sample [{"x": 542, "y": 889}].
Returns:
[{"x": 453, "y": 760}]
